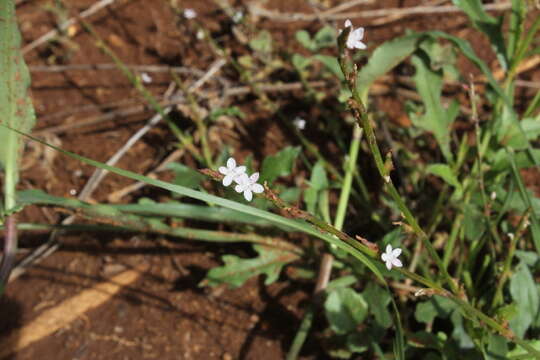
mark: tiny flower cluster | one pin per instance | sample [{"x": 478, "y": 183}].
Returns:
[{"x": 244, "y": 183}]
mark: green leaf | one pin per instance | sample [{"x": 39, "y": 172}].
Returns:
[
  {"x": 510, "y": 134},
  {"x": 437, "y": 306},
  {"x": 385, "y": 58},
  {"x": 228, "y": 111},
  {"x": 331, "y": 64},
  {"x": 300, "y": 62},
  {"x": 16, "y": 107},
  {"x": 317, "y": 183},
  {"x": 518, "y": 352},
  {"x": 497, "y": 348},
  {"x": 378, "y": 299},
  {"x": 345, "y": 309},
  {"x": 436, "y": 118},
  {"x": 326, "y": 37},
  {"x": 245, "y": 209},
  {"x": 473, "y": 222},
  {"x": 489, "y": 25},
  {"x": 525, "y": 294},
  {"x": 237, "y": 271},
  {"x": 444, "y": 172},
  {"x": 303, "y": 38},
  {"x": 280, "y": 164},
  {"x": 262, "y": 42},
  {"x": 185, "y": 176}
]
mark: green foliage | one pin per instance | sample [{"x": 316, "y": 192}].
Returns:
[
  {"x": 317, "y": 183},
  {"x": 280, "y": 164},
  {"x": 436, "y": 118},
  {"x": 489, "y": 25},
  {"x": 236, "y": 271},
  {"x": 17, "y": 110},
  {"x": 324, "y": 38},
  {"x": 525, "y": 294},
  {"x": 385, "y": 58},
  {"x": 345, "y": 309},
  {"x": 444, "y": 172},
  {"x": 262, "y": 42},
  {"x": 185, "y": 176}
]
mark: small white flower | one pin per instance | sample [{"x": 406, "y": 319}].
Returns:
[
  {"x": 248, "y": 185},
  {"x": 190, "y": 14},
  {"x": 231, "y": 172},
  {"x": 147, "y": 79},
  {"x": 238, "y": 16},
  {"x": 200, "y": 35},
  {"x": 354, "y": 40},
  {"x": 299, "y": 123},
  {"x": 390, "y": 257}
]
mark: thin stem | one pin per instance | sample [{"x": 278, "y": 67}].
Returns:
[{"x": 10, "y": 249}]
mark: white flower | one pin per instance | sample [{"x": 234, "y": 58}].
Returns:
[
  {"x": 248, "y": 185},
  {"x": 299, "y": 123},
  {"x": 238, "y": 16},
  {"x": 390, "y": 257},
  {"x": 190, "y": 14},
  {"x": 354, "y": 40},
  {"x": 231, "y": 172},
  {"x": 147, "y": 79}
]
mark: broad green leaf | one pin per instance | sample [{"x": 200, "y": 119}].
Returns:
[
  {"x": 345, "y": 309},
  {"x": 497, "y": 348},
  {"x": 385, "y": 58},
  {"x": 444, "y": 172},
  {"x": 250, "y": 210},
  {"x": 236, "y": 271},
  {"x": 185, "y": 176},
  {"x": 15, "y": 102},
  {"x": 473, "y": 222},
  {"x": 436, "y": 118},
  {"x": 525, "y": 294},
  {"x": 437, "y": 306},
  {"x": 489, "y": 25},
  {"x": 459, "y": 333},
  {"x": 280, "y": 164},
  {"x": 378, "y": 300},
  {"x": 262, "y": 42}
]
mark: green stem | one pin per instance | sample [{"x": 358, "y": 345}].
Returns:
[
  {"x": 347, "y": 180},
  {"x": 302, "y": 333}
]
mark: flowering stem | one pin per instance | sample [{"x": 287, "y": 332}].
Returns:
[{"x": 361, "y": 116}]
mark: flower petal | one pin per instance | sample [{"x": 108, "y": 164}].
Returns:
[
  {"x": 248, "y": 195},
  {"x": 240, "y": 169},
  {"x": 397, "y": 263},
  {"x": 358, "y": 33},
  {"x": 223, "y": 170},
  {"x": 231, "y": 163},
  {"x": 384, "y": 257},
  {"x": 227, "y": 180},
  {"x": 396, "y": 252},
  {"x": 389, "y": 265},
  {"x": 239, "y": 188},
  {"x": 348, "y": 23},
  {"x": 241, "y": 179},
  {"x": 389, "y": 249},
  {"x": 257, "y": 188},
  {"x": 254, "y": 177}
]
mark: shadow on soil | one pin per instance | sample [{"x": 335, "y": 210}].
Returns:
[{"x": 10, "y": 321}]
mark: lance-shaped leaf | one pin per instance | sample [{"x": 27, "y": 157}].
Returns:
[
  {"x": 16, "y": 106},
  {"x": 237, "y": 271},
  {"x": 436, "y": 118}
]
